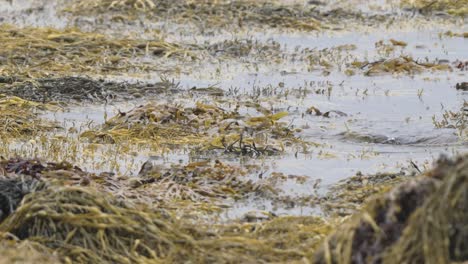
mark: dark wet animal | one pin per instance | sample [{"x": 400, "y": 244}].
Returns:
[{"x": 462, "y": 86}]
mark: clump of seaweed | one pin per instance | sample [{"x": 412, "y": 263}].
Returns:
[
  {"x": 93, "y": 228},
  {"x": 208, "y": 126},
  {"x": 347, "y": 196},
  {"x": 195, "y": 189},
  {"x": 454, "y": 120},
  {"x": 42, "y": 52},
  {"x": 245, "y": 47},
  {"x": 453, "y": 7},
  {"x": 401, "y": 65},
  {"x": 281, "y": 239},
  {"x": 455, "y": 34},
  {"x": 210, "y": 13},
  {"x": 83, "y": 89},
  {"x": 63, "y": 172},
  {"x": 19, "y": 117},
  {"x": 198, "y": 182},
  {"x": 83, "y": 225},
  {"x": 16, "y": 251},
  {"x": 394, "y": 227}
]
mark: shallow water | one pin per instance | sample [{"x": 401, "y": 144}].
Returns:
[{"x": 388, "y": 122}]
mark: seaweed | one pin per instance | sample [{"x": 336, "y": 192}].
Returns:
[
  {"x": 454, "y": 120},
  {"x": 92, "y": 227},
  {"x": 65, "y": 89},
  {"x": 452, "y": 7},
  {"x": 15, "y": 251},
  {"x": 86, "y": 225},
  {"x": 211, "y": 14},
  {"x": 421, "y": 221},
  {"x": 401, "y": 65},
  {"x": 207, "y": 126},
  {"x": 19, "y": 118},
  {"x": 44, "y": 52},
  {"x": 347, "y": 196}
]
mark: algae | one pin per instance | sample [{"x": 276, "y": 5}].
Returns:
[
  {"x": 209, "y": 127},
  {"x": 92, "y": 226},
  {"x": 214, "y": 14},
  {"x": 454, "y": 120},
  {"x": 16, "y": 251},
  {"x": 44, "y": 52},
  {"x": 84, "y": 89},
  {"x": 452, "y": 7},
  {"x": 395, "y": 227},
  {"x": 19, "y": 118},
  {"x": 84, "y": 225},
  {"x": 401, "y": 65},
  {"x": 347, "y": 196}
]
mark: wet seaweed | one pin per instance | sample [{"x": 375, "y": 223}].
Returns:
[
  {"x": 199, "y": 182},
  {"x": 347, "y": 196},
  {"x": 84, "y": 225},
  {"x": 210, "y": 13},
  {"x": 65, "y": 89},
  {"x": 16, "y": 251},
  {"x": 395, "y": 227},
  {"x": 401, "y": 65},
  {"x": 92, "y": 228},
  {"x": 207, "y": 126},
  {"x": 91, "y": 225},
  {"x": 19, "y": 118},
  {"x": 454, "y": 120},
  {"x": 45, "y": 52},
  {"x": 452, "y": 7}
]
